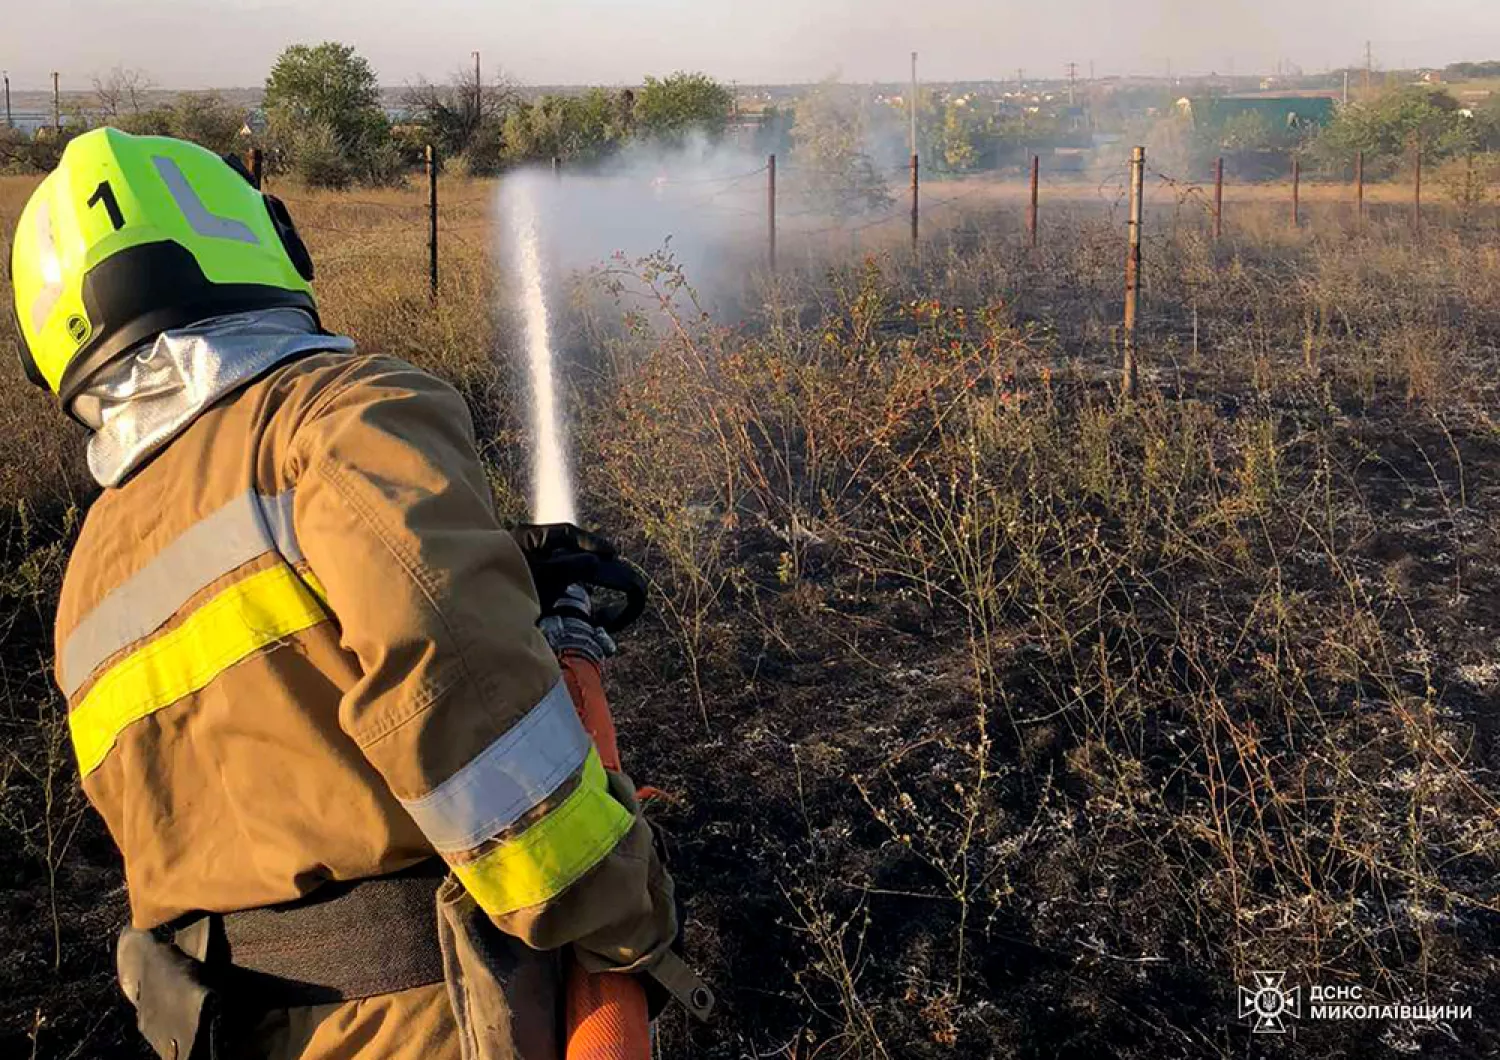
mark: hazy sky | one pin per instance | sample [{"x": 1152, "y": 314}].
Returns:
[{"x": 223, "y": 43}]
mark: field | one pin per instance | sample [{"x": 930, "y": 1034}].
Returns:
[{"x": 998, "y": 715}]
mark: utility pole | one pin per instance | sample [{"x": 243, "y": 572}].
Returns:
[
  {"x": 1072, "y": 84},
  {"x": 56, "y": 106},
  {"x": 478, "y": 92},
  {"x": 1346, "y": 88},
  {"x": 913, "y": 107},
  {"x": 9, "y": 124},
  {"x": 1020, "y": 81},
  {"x": 1369, "y": 65}
]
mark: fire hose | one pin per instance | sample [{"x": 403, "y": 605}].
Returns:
[{"x": 606, "y": 1016}]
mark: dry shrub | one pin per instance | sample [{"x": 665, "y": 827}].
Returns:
[{"x": 1000, "y": 716}]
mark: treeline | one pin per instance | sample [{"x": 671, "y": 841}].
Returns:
[
  {"x": 1473, "y": 71},
  {"x": 1461, "y": 143},
  {"x": 322, "y": 120}
]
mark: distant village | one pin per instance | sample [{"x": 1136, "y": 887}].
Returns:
[{"x": 1075, "y": 124}]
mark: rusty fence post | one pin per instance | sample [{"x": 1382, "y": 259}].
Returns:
[
  {"x": 915, "y": 192},
  {"x": 1219, "y": 200},
  {"x": 432, "y": 221},
  {"x": 1359, "y": 186},
  {"x": 1416, "y": 205},
  {"x": 1296, "y": 193},
  {"x": 1031, "y": 213},
  {"x": 771, "y": 210},
  {"x": 1133, "y": 267},
  {"x": 257, "y": 167}
]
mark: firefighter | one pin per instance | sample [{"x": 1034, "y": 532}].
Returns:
[{"x": 306, "y": 684}]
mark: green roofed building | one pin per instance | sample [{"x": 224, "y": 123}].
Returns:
[{"x": 1277, "y": 112}]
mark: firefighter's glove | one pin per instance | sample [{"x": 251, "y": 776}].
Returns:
[
  {"x": 570, "y": 627},
  {"x": 560, "y": 555}
]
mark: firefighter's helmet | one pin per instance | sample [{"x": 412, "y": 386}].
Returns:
[{"x": 131, "y": 236}]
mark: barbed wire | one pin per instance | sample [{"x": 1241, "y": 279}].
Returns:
[
  {"x": 725, "y": 196},
  {"x": 728, "y": 181}
]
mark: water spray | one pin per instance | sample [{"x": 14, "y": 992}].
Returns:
[{"x": 552, "y": 498}]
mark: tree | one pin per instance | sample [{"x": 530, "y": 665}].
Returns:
[
  {"x": 774, "y": 136},
  {"x": 121, "y": 92},
  {"x": 829, "y": 137},
  {"x": 1388, "y": 127},
  {"x": 673, "y": 106},
  {"x": 321, "y": 97},
  {"x": 1250, "y": 131},
  {"x": 462, "y": 118},
  {"x": 963, "y": 131},
  {"x": 1487, "y": 123},
  {"x": 569, "y": 127},
  {"x": 207, "y": 118},
  {"x": 319, "y": 158}
]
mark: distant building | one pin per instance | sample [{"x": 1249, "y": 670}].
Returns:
[
  {"x": 255, "y": 124},
  {"x": 32, "y": 122},
  {"x": 1279, "y": 112}
]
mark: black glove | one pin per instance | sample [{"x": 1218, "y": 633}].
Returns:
[{"x": 561, "y": 555}]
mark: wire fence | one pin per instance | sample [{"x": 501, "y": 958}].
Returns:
[{"x": 814, "y": 204}]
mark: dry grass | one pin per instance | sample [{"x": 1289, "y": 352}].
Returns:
[{"x": 999, "y": 716}]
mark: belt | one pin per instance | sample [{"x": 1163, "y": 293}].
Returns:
[{"x": 342, "y": 942}]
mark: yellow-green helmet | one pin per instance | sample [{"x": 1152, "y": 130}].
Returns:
[{"x": 131, "y": 236}]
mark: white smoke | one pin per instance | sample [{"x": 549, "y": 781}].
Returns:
[{"x": 702, "y": 203}]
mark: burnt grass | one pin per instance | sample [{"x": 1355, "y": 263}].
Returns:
[{"x": 993, "y": 714}]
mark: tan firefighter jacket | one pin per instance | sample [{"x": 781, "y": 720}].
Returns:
[{"x": 297, "y": 646}]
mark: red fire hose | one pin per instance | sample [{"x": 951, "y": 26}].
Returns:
[{"x": 606, "y": 1015}]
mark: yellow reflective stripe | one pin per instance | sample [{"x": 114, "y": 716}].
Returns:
[
  {"x": 234, "y": 624},
  {"x": 312, "y": 581},
  {"x": 543, "y": 860}
]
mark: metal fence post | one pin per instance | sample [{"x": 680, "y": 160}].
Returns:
[
  {"x": 1359, "y": 186},
  {"x": 432, "y": 221},
  {"x": 1416, "y": 206},
  {"x": 1133, "y": 267},
  {"x": 771, "y": 210},
  {"x": 915, "y": 192},
  {"x": 1031, "y": 213},
  {"x": 1296, "y": 193},
  {"x": 1219, "y": 200}
]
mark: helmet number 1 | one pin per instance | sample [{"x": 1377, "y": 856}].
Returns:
[{"x": 105, "y": 194}]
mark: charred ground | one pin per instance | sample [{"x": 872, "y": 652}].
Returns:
[{"x": 996, "y": 715}]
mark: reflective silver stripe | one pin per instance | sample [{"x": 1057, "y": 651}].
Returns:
[
  {"x": 246, "y": 527},
  {"x": 508, "y": 778},
  {"x": 198, "y": 216}
]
